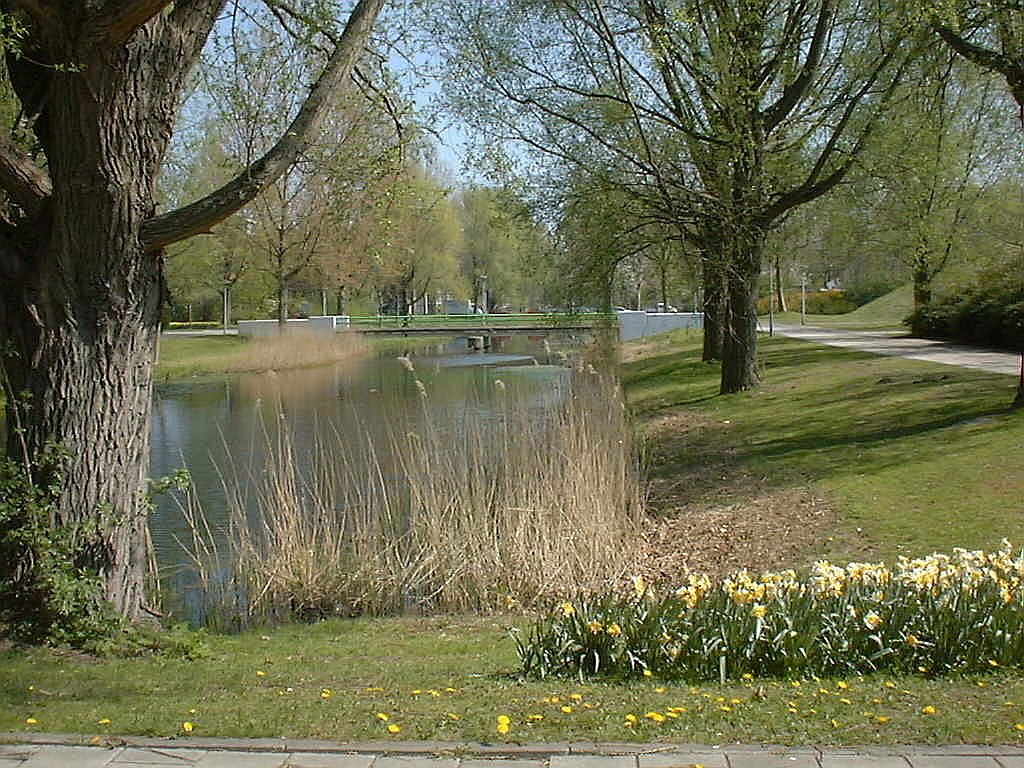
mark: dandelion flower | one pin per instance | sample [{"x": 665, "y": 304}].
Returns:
[
  {"x": 416, "y": 692},
  {"x": 535, "y": 718},
  {"x": 393, "y": 728},
  {"x": 1019, "y": 726},
  {"x": 325, "y": 693},
  {"x": 834, "y": 722},
  {"x": 725, "y": 708},
  {"x": 889, "y": 684},
  {"x": 504, "y": 720},
  {"x": 747, "y": 676},
  {"x": 192, "y": 711},
  {"x": 911, "y": 640},
  {"x": 30, "y": 721},
  {"x": 103, "y": 721},
  {"x": 502, "y": 728},
  {"x": 655, "y": 716},
  {"x": 576, "y": 697},
  {"x": 882, "y": 719},
  {"x": 928, "y": 710},
  {"x": 567, "y": 609},
  {"x": 187, "y": 727},
  {"x": 842, "y": 685},
  {"x": 630, "y": 721},
  {"x": 648, "y": 673},
  {"x": 452, "y": 716},
  {"x": 614, "y": 630},
  {"x": 993, "y": 663},
  {"x": 260, "y": 673},
  {"x": 660, "y": 689},
  {"x": 383, "y": 717},
  {"x": 567, "y": 709}
]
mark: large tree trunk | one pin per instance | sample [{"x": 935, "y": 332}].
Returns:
[
  {"x": 739, "y": 345},
  {"x": 82, "y": 312}
]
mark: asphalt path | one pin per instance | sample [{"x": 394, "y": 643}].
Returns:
[{"x": 898, "y": 344}]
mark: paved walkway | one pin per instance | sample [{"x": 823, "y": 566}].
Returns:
[
  {"x": 898, "y": 344},
  {"x": 61, "y": 752}
]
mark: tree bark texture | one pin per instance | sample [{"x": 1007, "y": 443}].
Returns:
[
  {"x": 714, "y": 309},
  {"x": 739, "y": 342},
  {"x": 80, "y": 280}
]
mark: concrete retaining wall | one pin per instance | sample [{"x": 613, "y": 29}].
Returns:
[
  {"x": 320, "y": 324},
  {"x": 636, "y": 325}
]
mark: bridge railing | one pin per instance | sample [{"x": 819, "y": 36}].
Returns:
[{"x": 493, "y": 320}]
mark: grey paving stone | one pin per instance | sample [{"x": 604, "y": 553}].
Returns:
[
  {"x": 774, "y": 758},
  {"x": 415, "y": 761},
  {"x": 476, "y": 762},
  {"x": 1010, "y": 761},
  {"x": 685, "y": 759},
  {"x": 16, "y": 751},
  {"x": 859, "y": 760},
  {"x": 240, "y": 760},
  {"x": 158, "y": 756},
  {"x": 11, "y": 762},
  {"x": 327, "y": 760},
  {"x": 64, "y": 757},
  {"x": 952, "y": 761},
  {"x": 593, "y": 761}
]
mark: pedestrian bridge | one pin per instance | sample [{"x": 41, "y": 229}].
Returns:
[{"x": 631, "y": 325}]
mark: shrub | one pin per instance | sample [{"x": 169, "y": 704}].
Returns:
[
  {"x": 938, "y": 615},
  {"x": 991, "y": 316},
  {"x": 818, "y": 303},
  {"x": 45, "y": 596}
]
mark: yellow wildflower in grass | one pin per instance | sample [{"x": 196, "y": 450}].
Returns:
[
  {"x": 882, "y": 719},
  {"x": 325, "y": 693},
  {"x": 260, "y": 673},
  {"x": 187, "y": 727},
  {"x": 503, "y": 728},
  {"x": 747, "y": 676},
  {"x": 535, "y": 718},
  {"x": 453, "y": 717},
  {"x": 659, "y": 689},
  {"x": 725, "y": 708},
  {"x": 928, "y": 710},
  {"x": 30, "y": 721},
  {"x": 648, "y": 673},
  {"x": 845, "y": 701},
  {"x": 103, "y": 721},
  {"x": 630, "y": 721},
  {"x": 393, "y": 729},
  {"x": 566, "y": 709},
  {"x": 433, "y": 693},
  {"x": 415, "y": 692},
  {"x": 567, "y": 609},
  {"x": 911, "y": 640},
  {"x": 503, "y": 719},
  {"x": 993, "y": 663},
  {"x": 383, "y": 717},
  {"x": 192, "y": 711},
  {"x": 842, "y": 685},
  {"x": 834, "y": 722},
  {"x": 657, "y": 717},
  {"x": 889, "y": 684},
  {"x": 759, "y": 611},
  {"x": 614, "y": 630},
  {"x": 595, "y": 627},
  {"x": 872, "y": 620},
  {"x": 1019, "y": 726},
  {"x": 576, "y": 696}
]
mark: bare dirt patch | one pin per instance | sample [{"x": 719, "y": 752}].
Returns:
[{"x": 711, "y": 514}]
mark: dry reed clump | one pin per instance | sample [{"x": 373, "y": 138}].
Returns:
[
  {"x": 489, "y": 515},
  {"x": 296, "y": 349}
]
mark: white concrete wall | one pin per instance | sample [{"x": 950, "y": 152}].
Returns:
[
  {"x": 636, "y": 325},
  {"x": 321, "y": 324}
]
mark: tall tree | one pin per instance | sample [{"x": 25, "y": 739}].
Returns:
[
  {"x": 81, "y": 256},
  {"x": 722, "y": 115}
]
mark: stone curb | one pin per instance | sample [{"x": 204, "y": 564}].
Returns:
[{"x": 493, "y": 751}]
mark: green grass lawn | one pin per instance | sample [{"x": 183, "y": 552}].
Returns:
[
  {"x": 184, "y": 356},
  {"x": 913, "y": 457},
  {"x": 884, "y": 313},
  {"x": 449, "y": 679}
]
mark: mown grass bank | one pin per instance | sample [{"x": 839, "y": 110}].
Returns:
[
  {"x": 910, "y": 457},
  {"x": 450, "y": 679}
]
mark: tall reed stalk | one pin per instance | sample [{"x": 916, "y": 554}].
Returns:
[{"x": 479, "y": 516}]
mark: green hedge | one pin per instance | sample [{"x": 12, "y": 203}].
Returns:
[{"x": 991, "y": 316}]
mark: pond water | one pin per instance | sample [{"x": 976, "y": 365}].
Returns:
[{"x": 217, "y": 427}]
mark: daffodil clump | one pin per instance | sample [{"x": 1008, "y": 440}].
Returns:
[{"x": 933, "y": 615}]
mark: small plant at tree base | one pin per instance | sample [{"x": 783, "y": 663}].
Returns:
[{"x": 45, "y": 596}]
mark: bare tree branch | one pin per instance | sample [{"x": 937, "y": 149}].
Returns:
[
  {"x": 203, "y": 214},
  {"x": 26, "y": 183}
]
